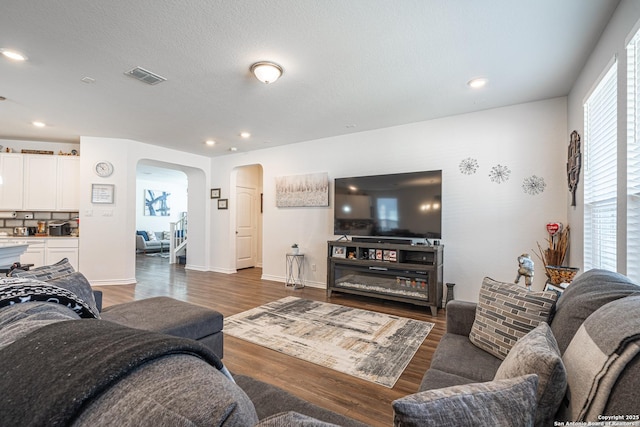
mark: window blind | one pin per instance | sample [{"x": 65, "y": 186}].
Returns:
[
  {"x": 633, "y": 158},
  {"x": 600, "y": 175}
]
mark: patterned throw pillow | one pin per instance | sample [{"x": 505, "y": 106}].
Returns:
[
  {"x": 152, "y": 236},
  {"x": 507, "y": 312},
  {"x": 537, "y": 353},
  {"x": 46, "y": 272},
  {"x": 505, "y": 403}
]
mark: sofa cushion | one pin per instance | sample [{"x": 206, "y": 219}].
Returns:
[
  {"x": 457, "y": 355},
  {"x": 506, "y": 312},
  {"x": 46, "y": 272},
  {"x": 178, "y": 390},
  {"x": 151, "y": 236},
  {"x": 586, "y": 294},
  {"x": 435, "y": 378},
  {"x": 537, "y": 353},
  {"x": 510, "y": 402}
]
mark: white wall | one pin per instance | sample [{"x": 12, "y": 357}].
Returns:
[
  {"x": 485, "y": 225},
  {"x": 107, "y": 232},
  {"x": 612, "y": 44}
]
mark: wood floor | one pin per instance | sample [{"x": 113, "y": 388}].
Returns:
[{"x": 233, "y": 293}]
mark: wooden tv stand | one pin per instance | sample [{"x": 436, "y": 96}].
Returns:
[{"x": 398, "y": 272}]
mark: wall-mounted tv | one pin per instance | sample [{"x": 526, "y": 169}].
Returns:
[{"x": 402, "y": 205}]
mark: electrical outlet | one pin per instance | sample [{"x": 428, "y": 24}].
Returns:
[
  {"x": 313, "y": 267},
  {"x": 28, "y": 216}
]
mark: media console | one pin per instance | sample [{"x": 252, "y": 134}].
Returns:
[{"x": 391, "y": 271}]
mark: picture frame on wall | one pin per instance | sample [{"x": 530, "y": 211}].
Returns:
[
  {"x": 223, "y": 204},
  {"x": 102, "y": 193},
  {"x": 215, "y": 193}
]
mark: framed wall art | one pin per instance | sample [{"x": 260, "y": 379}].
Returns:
[
  {"x": 215, "y": 193},
  {"x": 102, "y": 193},
  {"x": 223, "y": 204},
  {"x": 302, "y": 190}
]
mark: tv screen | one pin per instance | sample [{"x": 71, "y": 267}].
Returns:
[{"x": 403, "y": 205}]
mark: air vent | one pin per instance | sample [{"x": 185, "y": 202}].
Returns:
[{"x": 145, "y": 76}]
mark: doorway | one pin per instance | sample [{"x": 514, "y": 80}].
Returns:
[{"x": 248, "y": 196}]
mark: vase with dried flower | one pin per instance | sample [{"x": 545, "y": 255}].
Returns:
[{"x": 554, "y": 255}]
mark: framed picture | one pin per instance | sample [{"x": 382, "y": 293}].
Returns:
[
  {"x": 215, "y": 193},
  {"x": 339, "y": 252},
  {"x": 223, "y": 204},
  {"x": 102, "y": 193},
  {"x": 157, "y": 203}
]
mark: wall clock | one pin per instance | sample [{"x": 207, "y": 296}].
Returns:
[
  {"x": 574, "y": 161},
  {"x": 103, "y": 169}
]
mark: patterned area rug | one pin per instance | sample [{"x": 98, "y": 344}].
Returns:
[{"x": 372, "y": 346}]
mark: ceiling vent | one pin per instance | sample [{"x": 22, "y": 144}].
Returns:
[{"x": 145, "y": 76}]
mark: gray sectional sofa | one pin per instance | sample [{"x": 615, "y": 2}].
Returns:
[
  {"x": 151, "y": 241},
  {"x": 470, "y": 381}
]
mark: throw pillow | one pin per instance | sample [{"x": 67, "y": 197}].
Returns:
[
  {"x": 507, "y": 312},
  {"x": 79, "y": 285},
  {"x": 46, "y": 272},
  {"x": 166, "y": 235},
  {"x": 505, "y": 403},
  {"x": 291, "y": 418},
  {"x": 152, "y": 236},
  {"x": 537, "y": 353},
  {"x": 144, "y": 235}
]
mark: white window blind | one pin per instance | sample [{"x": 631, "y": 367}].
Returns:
[
  {"x": 600, "y": 174},
  {"x": 633, "y": 158}
]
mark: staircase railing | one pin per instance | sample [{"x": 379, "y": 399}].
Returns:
[{"x": 178, "y": 241}]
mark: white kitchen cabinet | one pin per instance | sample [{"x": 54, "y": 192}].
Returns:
[
  {"x": 40, "y": 182},
  {"x": 68, "y": 184},
  {"x": 11, "y": 190},
  {"x": 35, "y": 254},
  {"x": 59, "y": 248}
]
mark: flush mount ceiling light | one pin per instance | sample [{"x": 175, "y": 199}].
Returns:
[
  {"x": 13, "y": 54},
  {"x": 477, "y": 83},
  {"x": 39, "y": 124},
  {"x": 267, "y": 72},
  {"x": 210, "y": 142},
  {"x": 245, "y": 135}
]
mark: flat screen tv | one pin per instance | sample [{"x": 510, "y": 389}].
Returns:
[{"x": 402, "y": 205}]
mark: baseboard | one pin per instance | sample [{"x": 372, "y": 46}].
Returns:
[{"x": 107, "y": 282}]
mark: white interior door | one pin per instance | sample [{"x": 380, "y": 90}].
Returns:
[{"x": 246, "y": 223}]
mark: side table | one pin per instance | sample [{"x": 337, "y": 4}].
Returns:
[{"x": 295, "y": 270}]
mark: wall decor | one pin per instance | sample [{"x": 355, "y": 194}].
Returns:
[
  {"x": 533, "y": 185},
  {"x": 215, "y": 193},
  {"x": 574, "y": 162},
  {"x": 468, "y": 166},
  {"x": 156, "y": 203},
  {"x": 302, "y": 190},
  {"x": 102, "y": 193},
  {"x": 223, "y": 203},
  {"x": 499, "y": 174}
]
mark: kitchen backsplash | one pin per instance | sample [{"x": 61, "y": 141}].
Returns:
[{"x": 30, "y": 219}]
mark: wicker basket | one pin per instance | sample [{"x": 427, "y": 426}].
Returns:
[{"x": 559, "y": 274}]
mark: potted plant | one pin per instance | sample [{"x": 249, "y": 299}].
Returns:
[{"x": 295, "y": 249}]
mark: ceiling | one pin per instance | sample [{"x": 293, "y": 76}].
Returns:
[{"x": 350, "y": 65}]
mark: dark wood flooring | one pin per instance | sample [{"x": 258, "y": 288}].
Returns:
[{"x": 233, "y": 293}]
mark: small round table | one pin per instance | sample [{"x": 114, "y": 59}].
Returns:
[{"x": 295, "y": 270}]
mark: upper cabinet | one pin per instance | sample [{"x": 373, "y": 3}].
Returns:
[
  {"x": 12, "y": 174},
  {"x": 45, "y": 183}
]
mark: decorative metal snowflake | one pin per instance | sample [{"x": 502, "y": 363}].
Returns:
[
  {"x": 469, "y": 166},
  {"x": 499, "y": 174},
  {"x": 534, "y": 185}
]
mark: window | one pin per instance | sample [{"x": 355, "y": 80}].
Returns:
[
  {"x": 600, "y": 174},
  {"x": 633, "y": 158}
]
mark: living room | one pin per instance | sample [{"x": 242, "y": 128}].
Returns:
[{"x": 487, "y": 155}]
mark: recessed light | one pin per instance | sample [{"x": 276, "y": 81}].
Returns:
[
  {"x": 245, "y": 135},
  {"x": 210, "y": 142},
  {"x": 477, "y": 83},
  {"x": 13, "y": 54},
  {"x": 39, "y": 124},
  {"x": 233, "y": 149}
]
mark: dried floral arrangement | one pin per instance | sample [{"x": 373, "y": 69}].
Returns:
[{"x": 554, "y": 255}]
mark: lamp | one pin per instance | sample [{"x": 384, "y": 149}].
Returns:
[{"x": 266, "y": 72}]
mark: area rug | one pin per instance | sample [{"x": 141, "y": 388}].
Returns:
[
  {"x": 372, "y": 346},
  {"x": 160, "y": 254}
]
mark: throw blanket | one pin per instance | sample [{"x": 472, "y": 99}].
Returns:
[
  {"x": 48, "y": 377},
  {"x": 597, "y": 354},
  {"x": 16, "y": 291}
]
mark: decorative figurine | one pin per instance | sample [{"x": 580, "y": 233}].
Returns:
[{"x": 525, "y": 268}]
